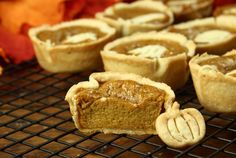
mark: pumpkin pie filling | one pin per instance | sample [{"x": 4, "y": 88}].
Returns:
[
  {"x": 120, "y": 104},
  {"x": 205, "y": 34},
  {"x": 224, "y": 64},
  {"x": 71, "y": 35},
  {"x": 165, "y": 48}
]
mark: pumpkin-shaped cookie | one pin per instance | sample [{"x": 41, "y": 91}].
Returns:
[{"x": 179, "y": 128}]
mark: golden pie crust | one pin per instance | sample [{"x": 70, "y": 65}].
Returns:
[
  {"x": 95, "y": 82},
  {"x": 225, "y": 10},
  {"x": 171, "y": 69},
  {"x": 189, "y": 9},
  {"x": 215, "y": 89},
  {"x": 214, "y": 35},
  {"x": 139, "y": 16},
  {"x": 71, "y": 46}
]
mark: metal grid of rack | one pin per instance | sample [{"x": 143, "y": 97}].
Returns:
[{"x": 35, "y": 121}]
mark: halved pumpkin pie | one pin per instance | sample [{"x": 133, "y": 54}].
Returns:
[
  {"x": 226, "y": 10},
  {"x": 213, "y": 35},
  {"x": 71, "y": 46},
  {"x": 214, "y": 79},
  {"x": 125, "y": 103},
  {"x": 140, "y": 16},
  {"x": 161, "y": 56},
  {"x": 113, "y": 102}
]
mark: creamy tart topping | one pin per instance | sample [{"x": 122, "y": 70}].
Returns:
[
  {"x": 150, "y": 51},
  {"x": 71, "y": 35},
  {"x": 148, "y": 18},
  {"x": 205, "y": 34},
  {"x": 181, "y": 2},
  {"x": 78, "y": 38},
  {"x": 150, "y": 48},
  {"x": 212, "y": 36},
  {"x": 224, "y": 64}
]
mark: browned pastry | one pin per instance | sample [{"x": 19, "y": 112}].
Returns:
[
  {"x": 213, "y": 35},
  {"x": 162, "y": 57},
  {"x": 189, "y": 9},
  {"x": 180, "y": 128},
  {"x": 137, "y": 16},
  {"x": 226, "y": 10},
  {"x": 113, "y": 102},
  {"x": 71, "y": 46},
  {"x": 214, "y": 81}
]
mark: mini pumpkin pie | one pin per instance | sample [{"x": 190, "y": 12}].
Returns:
[
  {"x": 214, "y": 79},
  {"x": 226, "y": 10},
  {"x": 189, "y": 9},
  {"x": 161, "y": 56},
  {"x": 71, "y": 46},
  {"x": 112, "y": 102},
  {"x": 137, "y": 16},
  {"x": 213, "y": 35},
  {"x": 124, "y": 103}
]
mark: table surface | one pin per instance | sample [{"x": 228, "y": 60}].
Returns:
[{"x": 35, "y": 121}]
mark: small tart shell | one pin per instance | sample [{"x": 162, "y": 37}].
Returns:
[
  {"x": 172, "y": 70},
  {"x": 188, "y": 10},
  {"x": 71, "y": 57},
  {"x": 125, "y": 27},
  {"x": 93, "y": 82},
  {"x": 228, "y": 22},
  {"x": 215, "y": 90},
  {"x": 196, "y": 10}
]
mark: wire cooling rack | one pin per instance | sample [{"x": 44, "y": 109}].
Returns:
[{"x": 35, "y": 122}]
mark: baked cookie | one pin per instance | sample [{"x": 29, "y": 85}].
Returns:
[
  {"x": 71, "y": 46},
  {"x": 214, "y": 79},
  {"x": 225, "y": 10},
  {"x": 189, "y": 9},
  {"x": 180, "y": 128},
  {"x": 140, "y": 16},
  {"x": 112, "y": 102},
  {"x": 213, "y": 35},
  {"x": 162, "y": 57}
]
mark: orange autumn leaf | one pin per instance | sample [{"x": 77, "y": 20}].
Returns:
[
  {"x": 17, "y": 46},
  {"x": 4, "y": 56},
  {"x": 73, "y": 7},
  {"x": 14, "y": 13},
  {"x": 94, "y": 6}
]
